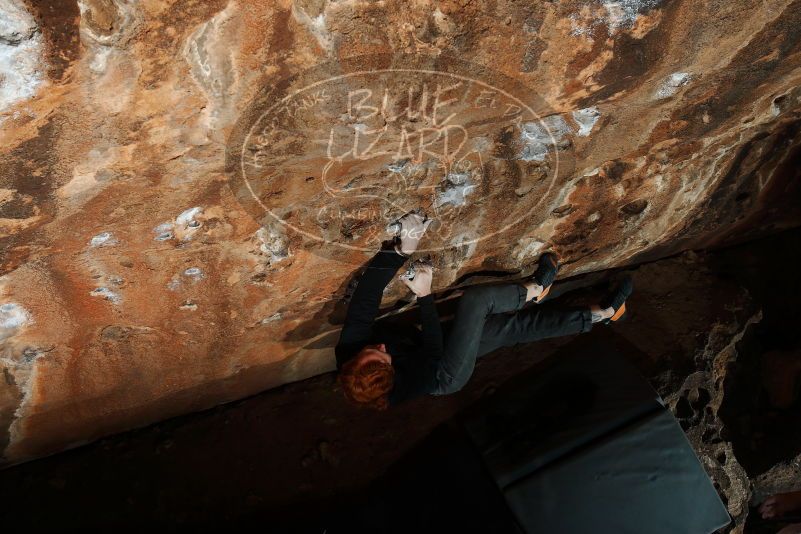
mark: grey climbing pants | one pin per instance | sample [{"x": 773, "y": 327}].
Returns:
[{"x": 491, "y": 317}]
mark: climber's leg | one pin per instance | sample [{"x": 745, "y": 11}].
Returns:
[
  {"x": 536, "y": 323},
  {"x": 543, "y": 322},
  {"x": 461, "y": 347}
]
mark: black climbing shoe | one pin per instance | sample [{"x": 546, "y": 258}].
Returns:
[
  {"x": 547, "y": 267},
  {"x": 617, "y": 299}
]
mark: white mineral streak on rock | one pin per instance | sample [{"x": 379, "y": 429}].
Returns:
[
  {"x": 210, "y": 56},
  {"x": 586, "y": 119},
  {"x": 126, "y": 19},
  {"x": 671, "y": 84},
  {"x": 623, "y": 13},
  {"x": 209, "y": 51},
  {"x": 99, "y": 62},
  {"x": 540, "y": 137},
  {"x": 527, "y": 249},
  {"x": 578, "y": 27},
  {"x": 315, "y": 26},
  {"x": 616, "y": 16},
  {"x": 12, "y": 317},
  {"x": 106, "y": 48},
  {"x": 16, "y": 24},
  {"x": 20, "y": 54}
]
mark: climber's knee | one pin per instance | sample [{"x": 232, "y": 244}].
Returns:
[
  {"x": 477, "y": 295},
  {"x": 446, "y": 383}
]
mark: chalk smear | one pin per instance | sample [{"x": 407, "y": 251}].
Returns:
[
  {"x": 671, "y": 84},
  {"x": 540, "y": 137},
  {"x": 586, "y": 119},
  {"x": 106, "y": 294},
  {"x": 104, "y": 239}
]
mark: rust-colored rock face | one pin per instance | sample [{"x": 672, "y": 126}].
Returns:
[{"x": 186, "y": 187}]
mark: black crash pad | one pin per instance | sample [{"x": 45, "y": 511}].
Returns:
[
  {"x": 583, "y": 392},
  {"x": 584, "y": 444},
  {"x": 644, "y": 478}
]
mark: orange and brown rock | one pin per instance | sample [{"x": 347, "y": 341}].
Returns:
[{"x": 157, "y": 257}]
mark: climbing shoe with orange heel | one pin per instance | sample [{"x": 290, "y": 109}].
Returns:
[{"x": 617, "y": 299}]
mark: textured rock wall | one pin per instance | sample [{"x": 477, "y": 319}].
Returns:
[{"x": 143, "y": 277}]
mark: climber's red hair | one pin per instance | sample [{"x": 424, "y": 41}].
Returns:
[{"x": 367, "y": 383}]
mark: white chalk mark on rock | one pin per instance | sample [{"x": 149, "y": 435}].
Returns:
[
  {"x": 194, "y": 273},
  {"x": 623, "y": 13},
  {"x": 273, "y": 243},
  {"x": 163, "y": 231},
  {"x": 541, "y": 137},
  {"x": 106, "y": 294},
  {"x": 454, "y": 194},
  {"x": 586, "y": 119},
  {"x": 104, "y": 239},
  {"x": 671, "y": 84},
  {"x": 187, "y": 217},
  {"x": 398, "y": 166},
  {"x": 183, "y": 228},
  {"x": 458, "y": 178},
  {"x": 274, "y": 317}
]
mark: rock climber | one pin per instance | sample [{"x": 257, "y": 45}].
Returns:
[{"x": 377, "y": 370}]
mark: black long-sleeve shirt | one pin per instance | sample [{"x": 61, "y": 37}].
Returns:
[{"x": 415, "y": 362}]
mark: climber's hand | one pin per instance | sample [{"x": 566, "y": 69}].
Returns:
[
  {"x": 413, "y": 226},
  {"x": 421, "y": 283}
]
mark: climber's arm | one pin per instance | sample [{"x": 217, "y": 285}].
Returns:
[
  {"x": 419, "y": 376},
  {"x": 431, "y": 334},
  {"x": 364, "y": 305}
]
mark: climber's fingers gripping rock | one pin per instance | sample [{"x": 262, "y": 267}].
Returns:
[
  {"x": 421, "y": 283},
  {"x": 413, "y": 226}
]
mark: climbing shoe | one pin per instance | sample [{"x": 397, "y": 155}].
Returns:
[
  {"x": 547, "y": 267},
  {"x": 617, "y": 299}
]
